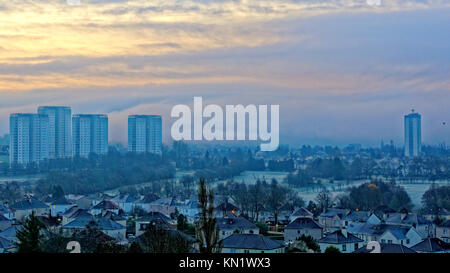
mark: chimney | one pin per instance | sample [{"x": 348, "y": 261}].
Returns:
[{"x": 344, "y": 232}]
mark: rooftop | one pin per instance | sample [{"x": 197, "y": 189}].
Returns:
[
  {"x": 250, "y": 241},
  {"x": 338, "y": 237}
]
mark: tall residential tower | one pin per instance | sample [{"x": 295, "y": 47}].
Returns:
[
  {"x": 145, "y": 134},
  {"x": 90, "y": 134},
  {"x": 28, "y": 138},
  {"x": 60, "y": 129},
  {"x": 413, "y": 134}
]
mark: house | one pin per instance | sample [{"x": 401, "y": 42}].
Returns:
[
  {"x": 79, "y": 222},
  {"x": 250, "y": 243},
  {"x": 232, "y": 224},
  {"x": 73, "y": 213},
  {"x": 152, "y": 218},
  {"x": 301, "y": 212},
  {"x": 105, "y": 206},
  {"x": 359, "y": 217},
  {"x": 111, "y": 228},
  {"x": 121, "y": 219},
  {"x": 421, "y": 224},
  {"x": 401, "y": 235},
  {"x": 81, "y": 201},
  {"x": 225, "y": 208},
  {"x": 189, "y": 209},
  {"x": 27, "y": 206},
  {"x": 383, "y": 212},
  {"x": 432, "y": 245},
  {"x": 166, "y": 206},
  {"x": 443, "y": 231},
  {"x": 302, "y": 226},
  {"x": 332, "y": 219},
  {"x": 145, "y": 202},
  {"x": 387, "y": 249},
  {"x": 125, "y": 201},
  {"x": 58, "y": 207},
  {"x": 6, "y": 246},
  {"x": 442, "y": 213},
  {"x": 342, "y": 240},
  {"x": 106, "y": 225}
]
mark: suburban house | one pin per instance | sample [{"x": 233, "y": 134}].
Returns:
[
  {"x": 301, "y": 212},
  {"x": 232, "y": 224},
  {"x": 442, "y": 213},
  {"x": 250, "y": 243},
  {"x": 81, "y": 201},
  {"x": 388, "y": 249},
  {"x": 26, "y": 207},
  {"x": 58, "y": 207},
  {"x": 105, "y": 206},
  {"x": 360, "y": 217},
  {"x": 166, "y": 206},
  {"x": 189, "y": 209},
  {"x": 225, "y": 208},
  {"x": 106, "y": 225},
  {"x": 342, "y": 240},
  {"x": 116, "y": 218},
  {"x": 383, "y": 212},
  {"x": 72, "y": 213},
  {"x": 302, "y": 226},
  {"x": 153, "y": 218},
  {"x": 401, "y": 235},
  {"x": 421, "y": 224},
  {"x": 443, "y": 231},
  {"x": 432, "y": 245},
  {"x": 145, "y": 202},
  {"x": 125, "y": 201},
  {"x": 332, "y": 219}
]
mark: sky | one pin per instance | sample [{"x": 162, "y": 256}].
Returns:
[{"x": 342, "y": 71}]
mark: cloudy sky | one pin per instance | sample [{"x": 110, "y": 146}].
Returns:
[{"x": 342, "y": 71}]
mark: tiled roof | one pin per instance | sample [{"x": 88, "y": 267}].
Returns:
[
  {"x": 302, "y": 212},
  {"x": 303, "y": 222},
  {"x": 338, "y": 237},
  {"x": 431, "y": 245},
  {"x": 233, "y": 223},
  {"x": 250, "y": 241},
  {"x": 79, "y": 222},
  {"x": 10, "y": 233},
  {"x": 102, "y": 223},
  {"x": 357, "y": 216},
  {"x": 332, "y": 212},
  {"x": 106, "y": 204},
  {"x": 226, "y": 206},
  {"x": 387, "y": 248},
  {"x": 5, "y": 243},
  {"x": 29, "y": 204}
]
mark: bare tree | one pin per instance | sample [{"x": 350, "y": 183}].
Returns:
[{"x": 206, "y": 230}]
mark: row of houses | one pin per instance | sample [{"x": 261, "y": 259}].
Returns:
[
  {"x": 346, "y": 230},
  {"x": 352, "y": 230}
]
